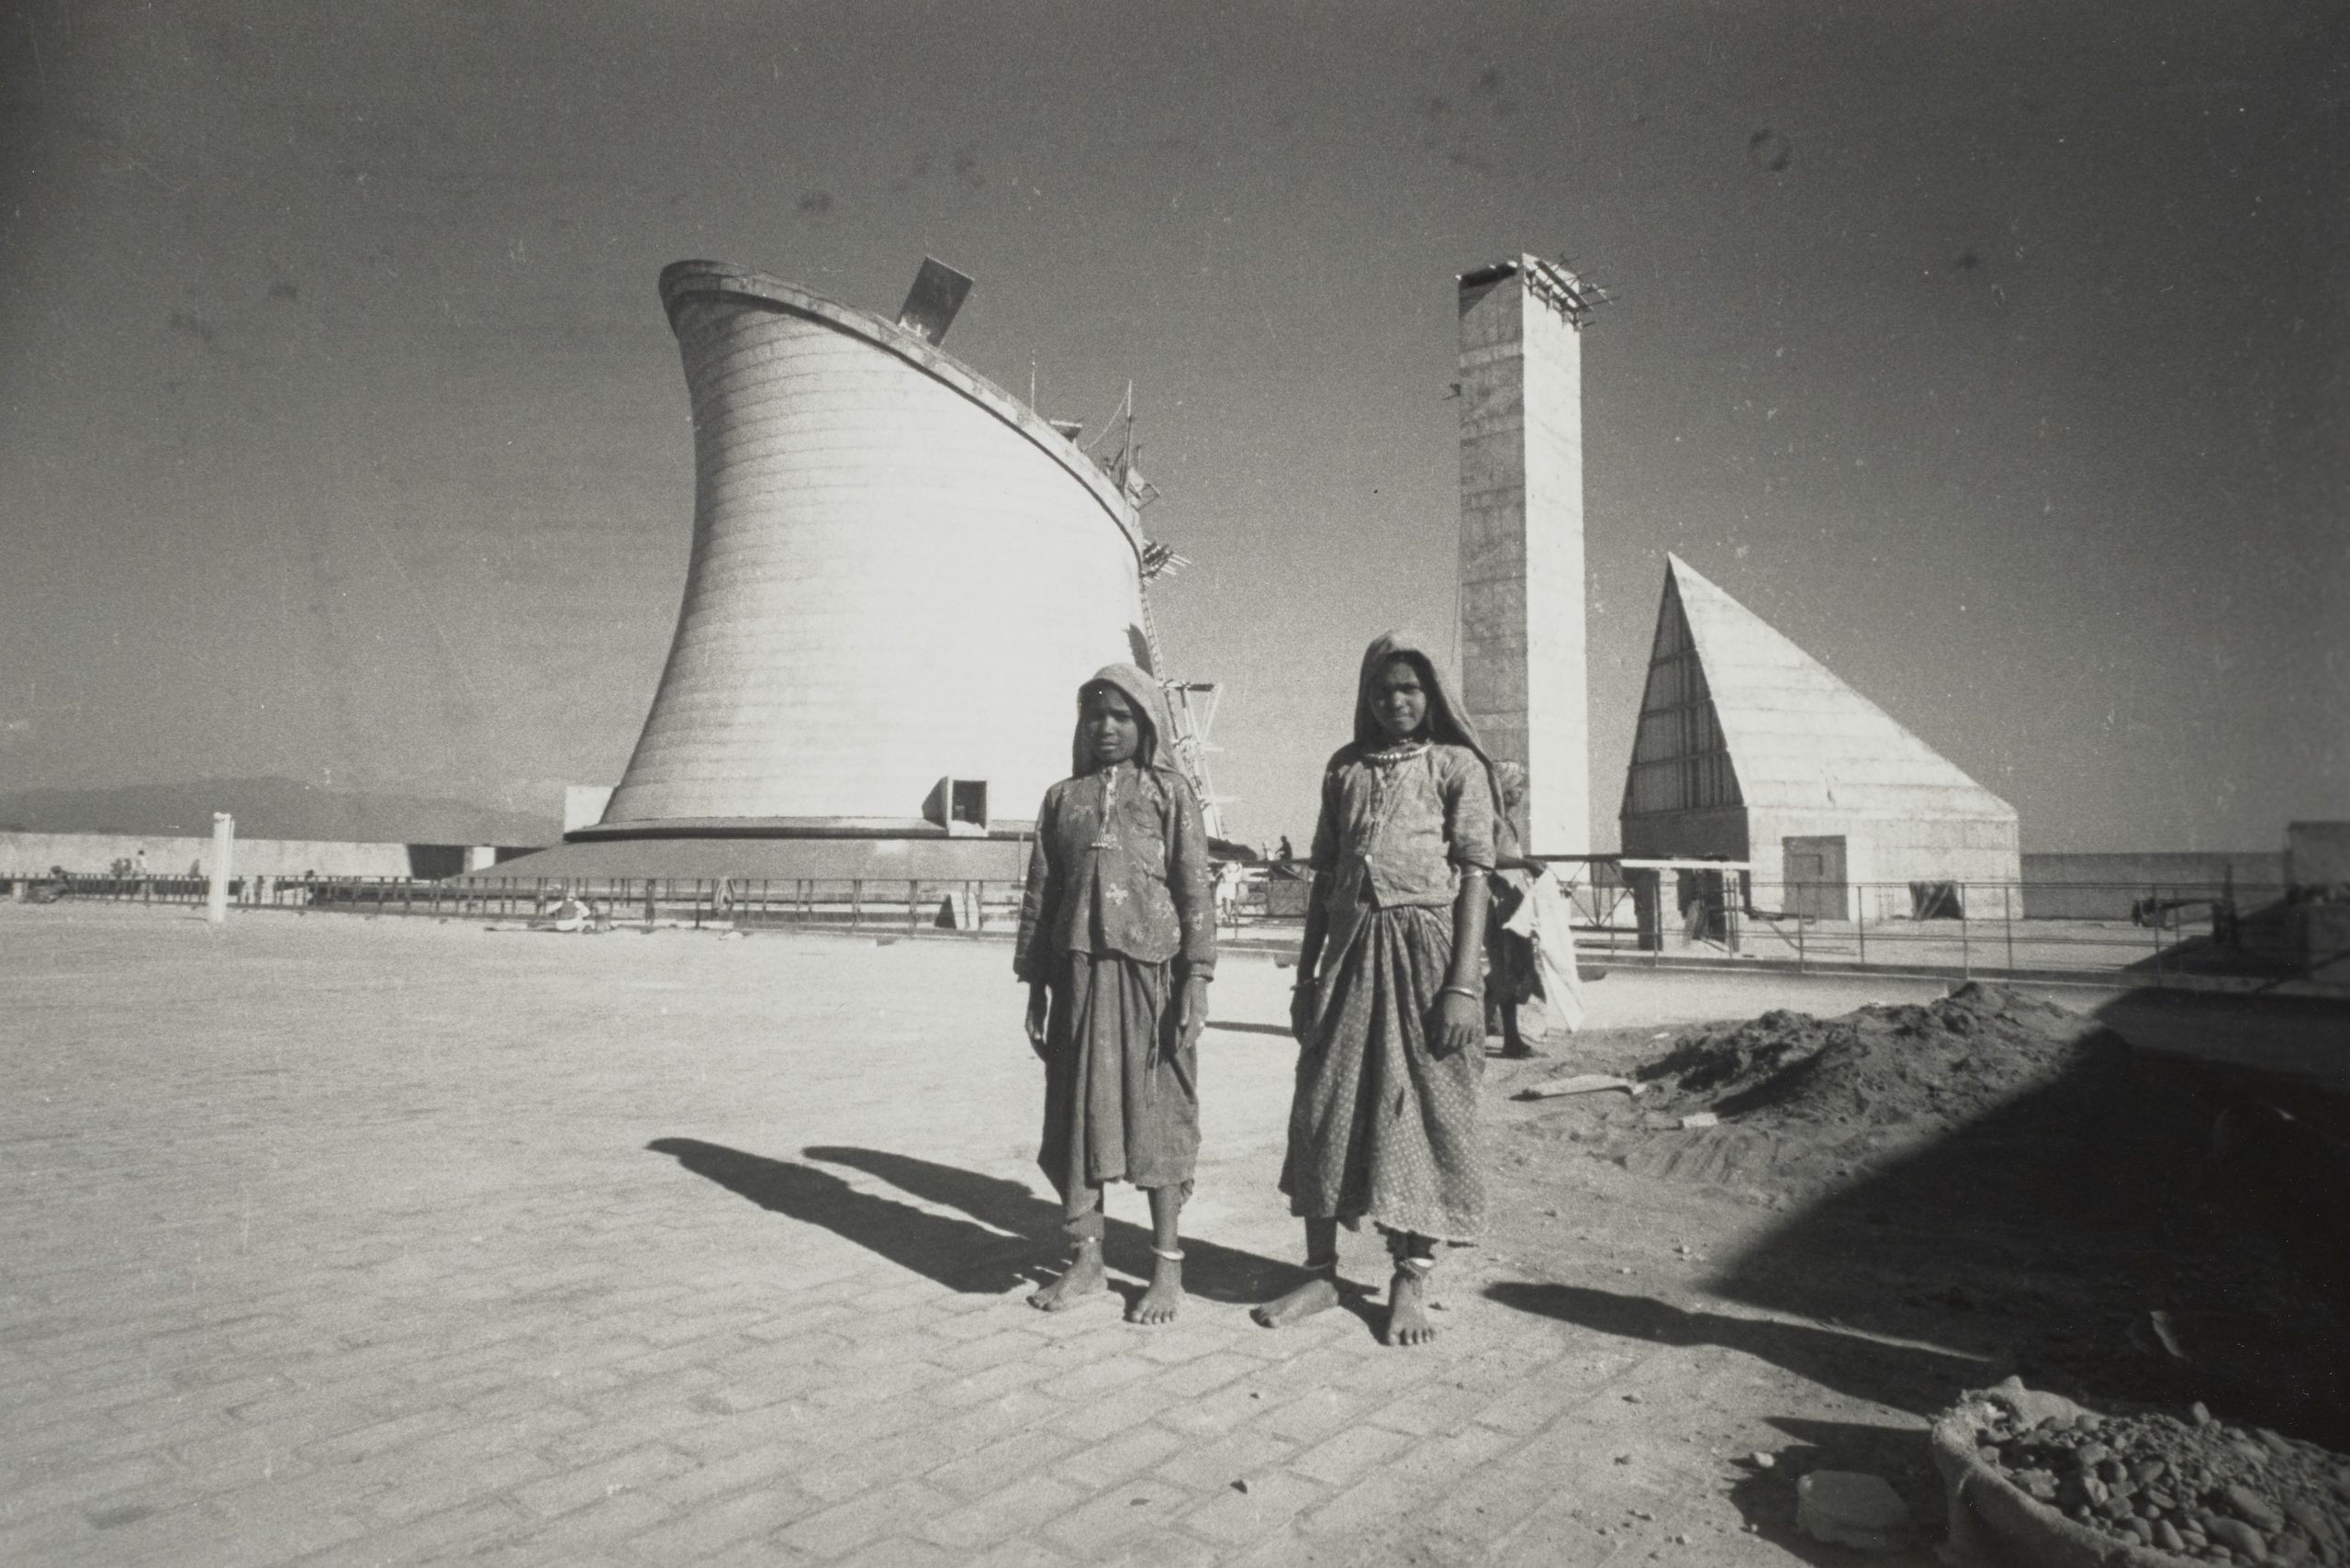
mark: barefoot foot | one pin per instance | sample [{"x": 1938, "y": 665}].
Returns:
[
  {"x": 1082, "y": 1279},
  {"x": 1319, "y": 1294},
  {"x": 1407, "y": 1316},
  {"x": 1161, "y": 1302}
]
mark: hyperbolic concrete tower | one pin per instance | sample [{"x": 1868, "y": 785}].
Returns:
[
  {"x": 900, "y": 576},
  {"x": 1521, "y": 537}
]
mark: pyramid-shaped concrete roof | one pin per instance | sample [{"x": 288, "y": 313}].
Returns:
[{"x": 1800, "y": 739}]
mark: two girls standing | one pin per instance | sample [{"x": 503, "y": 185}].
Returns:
[{"x": 1118, "y": 938}]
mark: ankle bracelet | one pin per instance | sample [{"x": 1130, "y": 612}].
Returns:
[
  {"x": 1417, "y": 1265},
  {"x": 1174, "y": 1256},
  {"x": 1321, "y": 1265}
]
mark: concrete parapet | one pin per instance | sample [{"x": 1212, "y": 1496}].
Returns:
[{"x": 91, "y": 853}]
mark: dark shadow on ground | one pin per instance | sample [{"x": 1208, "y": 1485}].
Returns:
[
  {"x": 1906, "y": 1377},
  {"x": 2298, "y": 1038},
  {"x": 1236, "y": 1026},
  {"x": 959, "y": 1255},
  {"x": 2199, "y": 955},
  {"x": 2260, "y": 947},
  {"x": 2043, "y": 1234},
  {"x": 1216, "y": 1273}
]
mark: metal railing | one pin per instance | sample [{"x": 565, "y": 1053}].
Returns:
[
  {"x": 882, "y": 906},
  {"x": 1621, "y": 915},
  {"x": 2140, "y": 930},
  {"x": 2159, "y": 931}
]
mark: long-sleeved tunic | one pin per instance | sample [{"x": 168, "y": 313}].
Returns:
[
  {"x": 1119, "y": 865},
  {"x": 1118, "y": 910}
]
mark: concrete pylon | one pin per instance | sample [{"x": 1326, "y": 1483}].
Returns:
[
  {"x": 1522, "y": 624},
  {"x": 224, "y": 844}
]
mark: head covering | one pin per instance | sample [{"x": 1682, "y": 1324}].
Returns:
[
  {"x": 1149, "y": 704},
  {"x": 1445, "y": 722}
]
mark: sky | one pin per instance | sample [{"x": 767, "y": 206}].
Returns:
[{"x": 1998, "y": 353}]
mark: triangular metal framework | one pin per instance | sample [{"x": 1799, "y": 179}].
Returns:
[{"x": 1680, "y": 760}]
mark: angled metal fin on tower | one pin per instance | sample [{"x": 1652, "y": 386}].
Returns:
[{"x": 937, "y": 293}]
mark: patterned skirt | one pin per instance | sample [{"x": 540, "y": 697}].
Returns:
[
  {"x": 1121, "y": 1101},
  {"x": 1380, "y": 1129}
]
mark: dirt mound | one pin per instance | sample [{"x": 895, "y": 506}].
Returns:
[{"x": 1936, "y": 1064}]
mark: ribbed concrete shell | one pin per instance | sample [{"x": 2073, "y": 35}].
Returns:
[{"x": 899, "y": 575}]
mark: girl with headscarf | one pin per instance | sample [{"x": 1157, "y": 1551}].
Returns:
[
  {"x": 1117, "y": 944},
  {"x": 1389, "y": 1008}
]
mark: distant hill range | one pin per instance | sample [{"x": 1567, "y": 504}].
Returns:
[{"x": 272, "y": 808}]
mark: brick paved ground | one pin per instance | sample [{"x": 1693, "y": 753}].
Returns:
[{"x": 336, "y": 1241}]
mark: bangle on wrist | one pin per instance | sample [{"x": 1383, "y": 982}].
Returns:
[{"x": 1468, "y": 991}]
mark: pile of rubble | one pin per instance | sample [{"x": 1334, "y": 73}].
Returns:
[
  {"x": 2191, "y": 1488},
  {"x": 1930, "y": 1067}
]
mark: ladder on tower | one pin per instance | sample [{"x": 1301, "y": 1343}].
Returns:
[{"x": 1190, "y": 704}]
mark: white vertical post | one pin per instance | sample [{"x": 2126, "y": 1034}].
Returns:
[{"x": 224, "y": 839}]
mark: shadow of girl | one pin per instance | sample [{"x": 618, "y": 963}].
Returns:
[
  {"x": 961, "y": 1256},
  {"x": 1916, "y": 1378},
  {"x": 1213, "y": 1272}
]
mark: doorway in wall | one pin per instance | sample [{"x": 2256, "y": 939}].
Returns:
[
  {"x": 1813, "y": 871},
  {"x": 1936, "y": 900},
  {"x": 968, "y": 803}
]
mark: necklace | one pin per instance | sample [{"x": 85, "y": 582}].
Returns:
[
  {"x": 1103, "y": 836},
  {"x": 1401, "y": 751},
  {"x": 1382, "y": 766}
]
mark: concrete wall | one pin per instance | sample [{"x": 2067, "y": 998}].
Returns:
[
  {"x": 1716, "y": 833},
  {"x": 898, "y": 574},
  {"x": 1521, "y": 548},
  {"x": 584, "y": 804},
  {"x": 1893, "y": 852},
  {"x": 2317, "y": 854},
  {"x": 2103, "y": 887},
  {"x": 1888, "y": 851},
  {"x": 90, "y": 854}
]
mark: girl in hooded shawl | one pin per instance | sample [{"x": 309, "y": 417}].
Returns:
[
  {"x": 1389, "y": 1009},
  {"x": 1117, "y": 944}
]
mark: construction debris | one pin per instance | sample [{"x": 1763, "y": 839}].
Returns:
[
  {"x": 1851, "y": 1507},
  {"x": 1943, "y": 1063},
  {"x": 2028, "y": 1471},
  {"x": 1581, "y": 1083}
]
